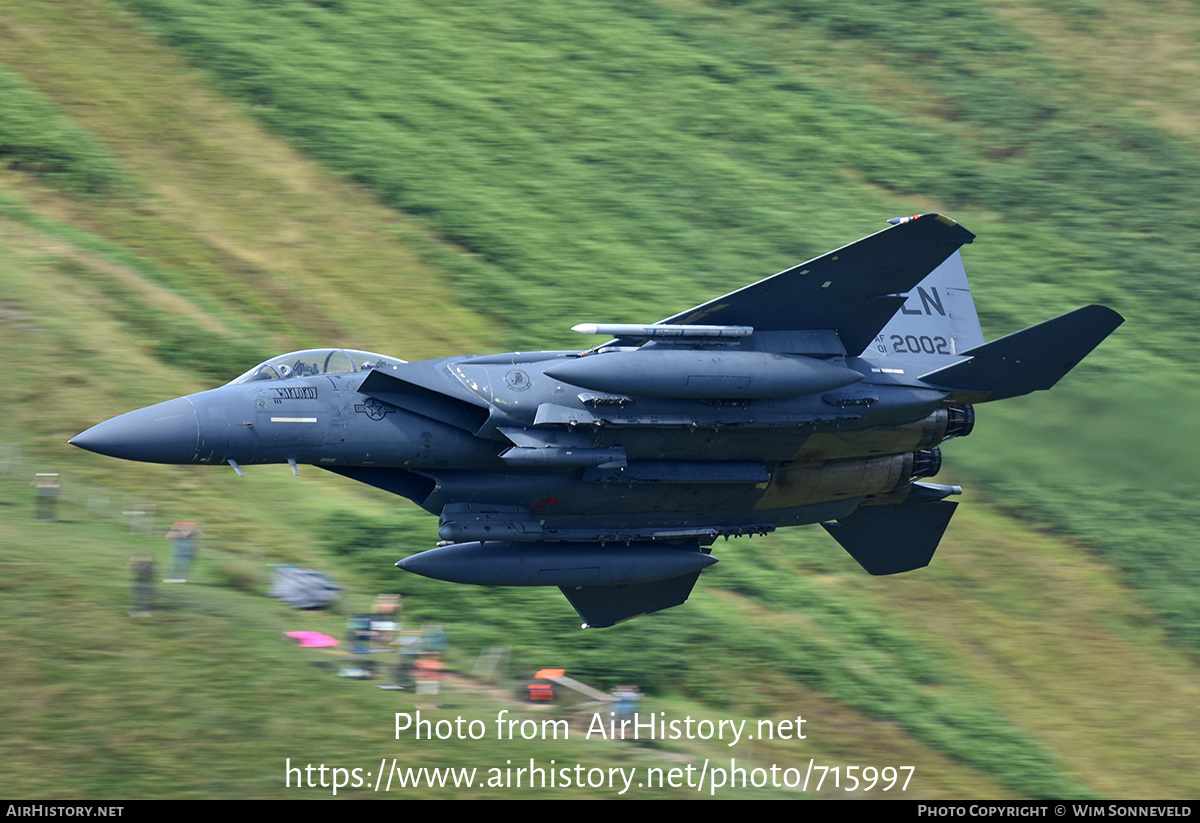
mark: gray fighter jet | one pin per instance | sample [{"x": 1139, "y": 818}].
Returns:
[{"x": 818, "y": 395}]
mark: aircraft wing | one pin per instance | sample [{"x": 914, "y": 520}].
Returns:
[{"x": 853, "y": 290}]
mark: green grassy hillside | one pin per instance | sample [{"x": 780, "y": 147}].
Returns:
[{"x": 186, "y": 189}]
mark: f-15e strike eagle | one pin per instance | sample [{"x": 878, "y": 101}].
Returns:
[{"x": 818, "y": 395}]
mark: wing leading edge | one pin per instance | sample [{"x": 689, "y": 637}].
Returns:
[{"x": 854, "y": 290}]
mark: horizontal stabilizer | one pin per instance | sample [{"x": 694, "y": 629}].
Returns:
[
  {"x": 893, "y": 539},
  {"x": 603, "y": 606},
  {"x": 1029, "y": 360}
]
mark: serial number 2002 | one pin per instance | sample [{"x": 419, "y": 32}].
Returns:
[{"x": 912, "y": 344}]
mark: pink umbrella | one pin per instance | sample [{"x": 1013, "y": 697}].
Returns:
[{"x": 313, "y": 639}]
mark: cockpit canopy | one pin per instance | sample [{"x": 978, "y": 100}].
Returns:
[{"x": 312, "y": 362}]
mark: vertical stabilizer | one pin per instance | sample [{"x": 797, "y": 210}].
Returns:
[{"x": 934, "y": 327}]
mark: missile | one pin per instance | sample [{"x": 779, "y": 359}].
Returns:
[
  {"x": 556, "y": 564},
  {"x": 640, "y": 332},
  {"x": 611, "y": 458}
]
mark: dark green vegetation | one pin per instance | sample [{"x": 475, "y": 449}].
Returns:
[{"x": 358, "y": 171}]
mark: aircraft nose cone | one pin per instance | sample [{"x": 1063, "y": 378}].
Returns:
[{"x": 164, "y": 433}]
